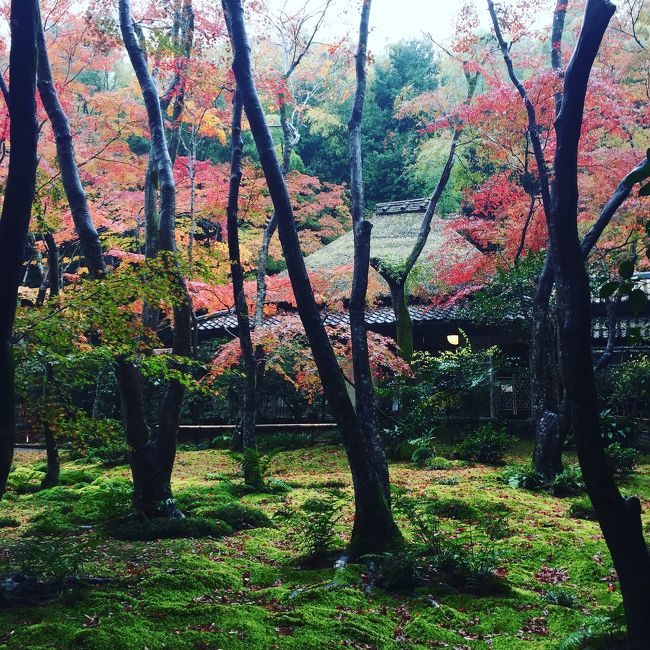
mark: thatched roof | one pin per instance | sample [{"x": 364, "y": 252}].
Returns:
[{"x": 395, "y": 229}]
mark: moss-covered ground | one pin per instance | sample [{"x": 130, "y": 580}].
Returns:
[{"x": 247, "y": 589}]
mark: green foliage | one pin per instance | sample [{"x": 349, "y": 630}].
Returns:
[
  {"x": 449, "y": 383},
  {"x": 253, "y": 468},
  {"x": 487, "y": 444},
  {"x": 597, "y": 633},
  {"x": 458, "y": 564},
  {"x": 524, "y": 477},
  {"x": 439, "y": 463},
  {"x": 236, "y": 515},
  {"x": 138, "y": 529},
  {"x": 582, "y": 509},
  {"x": 315, "y": 524},
  {"x": 454, "y": 509},
  {"x": 568, "y": 482},
  {"x": 46, "y": 557},
  {"x": 561, "y": 597},
  {"x": 622, "y": 460}
]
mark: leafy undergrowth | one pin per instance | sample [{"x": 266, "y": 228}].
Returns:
[{"x": 245, "y": 587}]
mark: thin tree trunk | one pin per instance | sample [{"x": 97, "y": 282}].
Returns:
[
  {"x": 248, "y": 401},
  {"x": 17, "y": 206},
  {"x": 53, "y": 471},
  {"x": 152, "y": 460},
  {"x": 619, "y": 517},
  {"x": 363, "y": 386},
  {"x": 88, "y": 238},
  {"x": 374, "y": 528},
  {"x": 397, "y": 279}
]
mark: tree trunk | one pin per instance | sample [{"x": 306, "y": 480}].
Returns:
[
  {"x": 403, "y": 320},
  {"x": 619, "y": 517},
  {"x": 248, "y": 401},
  {"x": 363, "y": 386},
  {"x": 374, "y": 528},
  {"x": 51, "y": 477},
  {"x": 17, "y": 206},
  {"x": 152, "y": 460},
  {"x": 88, "y": 237}
]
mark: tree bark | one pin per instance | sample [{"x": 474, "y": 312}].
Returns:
[
  {"x": 619, "y": 517},
  {"x": 17, "y": 206},
  {"x": 88, "y": 238},
  {"x": 152, "y": 460},
  {"x": 374, "y": 528},
  {"x": 363, "y": 386},
  {"x": 248, "y": 403}
]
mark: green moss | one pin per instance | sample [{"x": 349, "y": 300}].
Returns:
[
  {"x": 246, "y": 591},
  {"x": 236, "y": 515},
  {"x": 132, "y": 528}
]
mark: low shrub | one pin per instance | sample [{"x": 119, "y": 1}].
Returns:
[
  {"x": 315, "y": 525},
  {"x": 236, "y": 515},
  {"x": 561, "y": 597},
  {"x": 582, "y": 509},
  {"x": 448, "y": 480},
  {"x": 139, "y": 529},
  {"x": 453, "y": 509},
  {"x": 622, "y": 460},
  {"x": 568, "y": 482},
  {"x": 47, "y": 557},
  {"x": 439, "y": 463},
  {"x": 523, "y": 476},
  {"x": 487, "y": 444},
  {"x": 496, "y": 525}
]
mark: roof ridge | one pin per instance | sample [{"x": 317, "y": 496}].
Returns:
[{"x": 408, "y": 205}]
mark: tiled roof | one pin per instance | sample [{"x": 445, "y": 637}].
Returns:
[
  {"x": 398, "y": 207},
  {"x": 382, "y": 316}
]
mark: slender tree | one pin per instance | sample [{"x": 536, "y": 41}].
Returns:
[
  {"x": 248, "y": 410},
  {"x": 374, "y": 529},
  {"x": 83, "y": 222},
  {"x": 619, "y": 517},
  {"x": 152, "y": 457},
  {"x": 17, "y": 206},
  {"x": 396, "y": 275}
]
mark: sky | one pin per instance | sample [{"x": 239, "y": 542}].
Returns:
[{"x": 390, "y": 20}]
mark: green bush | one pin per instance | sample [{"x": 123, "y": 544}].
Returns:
[
  {"x": 47, "y": 557},
  {"x": 523, "y": 476},
  {"x": 138, "y": 529},
  {"x": 486, "y": 444},
  {"x": 561, "y": 597},
  {"x": 453, "y": 509},
  {"x": 582, "y": 509},
  {"x": 315, "y": 525},
  {"x": 236, "y": 515},
  {"x": 622, "y": 460},
  {"x": 568, "y": 483},
  {"x": 439, "y": 463}
]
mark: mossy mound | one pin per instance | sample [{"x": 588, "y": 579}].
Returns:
[
  {"x": 236, "y": 515},
  {"x": 136, "y": 529}
]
